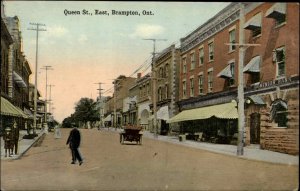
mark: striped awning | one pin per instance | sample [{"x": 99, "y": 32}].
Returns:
[
  {"x": 9, "y": 109},
  {"x": 222, "y": 111},
  {"x": 225, "y": 73},
  {"x": 19, "y": 80},
  {"x": 163, "y": 113},
  {"x": 276, "y": 11},
  {"x": 253, "y": 65},
  {"x": 253, "y": 23},
  {"x": 107, "y": 118}
]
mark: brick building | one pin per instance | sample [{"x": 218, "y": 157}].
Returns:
[
  {"x": 209, "y": 67},
  {"x": 121, "y": 91}
]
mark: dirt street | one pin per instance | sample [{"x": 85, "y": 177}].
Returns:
[{"x": 154, "y": 165}]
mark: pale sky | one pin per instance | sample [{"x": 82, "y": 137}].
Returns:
[{"x": 87, "y": 49}]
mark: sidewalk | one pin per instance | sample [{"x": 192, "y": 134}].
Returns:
[
  {"x": 24, "y": 144},
  {"x": 250, "y": 152}
]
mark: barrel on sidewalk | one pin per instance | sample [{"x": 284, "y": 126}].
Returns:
[{"x": 182, "y": 137}]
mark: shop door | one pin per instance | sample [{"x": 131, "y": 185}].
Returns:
[{"x": 255, "y": 128}]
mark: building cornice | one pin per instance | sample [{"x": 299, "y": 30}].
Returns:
[{"x": 223, "y": 19}]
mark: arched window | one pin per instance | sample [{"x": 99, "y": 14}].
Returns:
[{"x": 279, "y": 113}]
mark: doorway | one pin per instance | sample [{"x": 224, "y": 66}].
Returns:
[{"x": 255, "y": 128}]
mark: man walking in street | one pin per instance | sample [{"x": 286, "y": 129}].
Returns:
[{"x": 74, "y": 142}]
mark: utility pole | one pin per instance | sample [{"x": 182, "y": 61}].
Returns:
[
  {"x": 100, "y": 101},
  {"x": 154, "y": 84},
  {"x": 241, "y": 113},
  {"x": 46, "y": 124},
  {"x": 37, "y": 29},
  {"x": 50, "y": 100}
]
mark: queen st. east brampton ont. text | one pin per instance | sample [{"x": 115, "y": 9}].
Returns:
[{"x": 107, "y": 13}]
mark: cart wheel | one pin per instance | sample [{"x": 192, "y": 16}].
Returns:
[{"x": 140, "y": 140}]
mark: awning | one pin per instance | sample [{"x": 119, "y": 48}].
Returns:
[
  {"x": 225, "y": 73},
  {"x": 163, "y": 113},
  {"x": 278, "y": 10},
  {"x": 10, "y": 110},
  {"x": 29, "y": 113},
  {"x": 253, "y": 65},
  {"x": 253, "y": 23},
  {"x": 222, "y": 111},
  {"x": 107, "y": 118},
  {"x": 19, "y": 80},
  {"x": 256, "y": 99}
]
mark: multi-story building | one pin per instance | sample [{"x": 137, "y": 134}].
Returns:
[
  {"x": 142, "y": 89},
  {"x": 121, "y": 91},
  {"x": 166, "y": 69},
  {"x": 208, "y": 77},
  {"x": 15, "y": 70}
]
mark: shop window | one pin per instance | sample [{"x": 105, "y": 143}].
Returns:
[{"x": 279, "y": 113}]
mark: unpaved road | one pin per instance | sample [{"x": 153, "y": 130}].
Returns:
[{"x": 154, "y": 165}]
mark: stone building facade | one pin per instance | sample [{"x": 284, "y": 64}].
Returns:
[{"x": 166, "y": 68}]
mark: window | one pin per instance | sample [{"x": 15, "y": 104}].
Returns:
[
  {"x": 210, "y": 81},
  {"x": 192, "y": 87},
  {"x": 184, "y": 65},
  {"x": 159, "y": 94},
  {"x": 256, "y": 32},
  {"x": 148, "y": 89},
  {"x": 280, "y": 20},
  {"x": 231, "y": 80},
  {"x": 201, "y": 56},
  {"x": 232, "y": 40},
  {"x": 166, "y": 70},
  {"x": 278, "y": 13},
  {"x": 279, "y": 58},
  {"x": 166, "y": 91},
  {"x": 279, "y": 113},
  {"x": 211, "y": 51},
  {"x": 192, "y": 61},
  {"x": 200, "y": 84},
  {"x": 183, "y": 89}
]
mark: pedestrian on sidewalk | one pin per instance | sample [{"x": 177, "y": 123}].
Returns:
[
  {"x": 8, "y": 141},
  {"x": 74, "y": 143},
  {"x": 16, "y": 135}
]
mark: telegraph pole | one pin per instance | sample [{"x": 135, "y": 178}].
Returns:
[
  {"x": 154, "y": 84},
  {"x": 46, "y": 124},
  {"x": 50, "y": 100},
  {"x": 241, "y": 112},
  {"x": 100, "y": 101},
  {"x": 37, "y": 29}
]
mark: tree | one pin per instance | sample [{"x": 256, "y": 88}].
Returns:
[{"x": 86, "y": 110}]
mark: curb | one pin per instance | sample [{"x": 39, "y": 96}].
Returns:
[{"x": 32, "y": 144}]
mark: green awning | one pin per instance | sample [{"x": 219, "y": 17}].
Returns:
[
  {"x": 222, "y": 111},
  {"x": 10, "y": 110}
]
